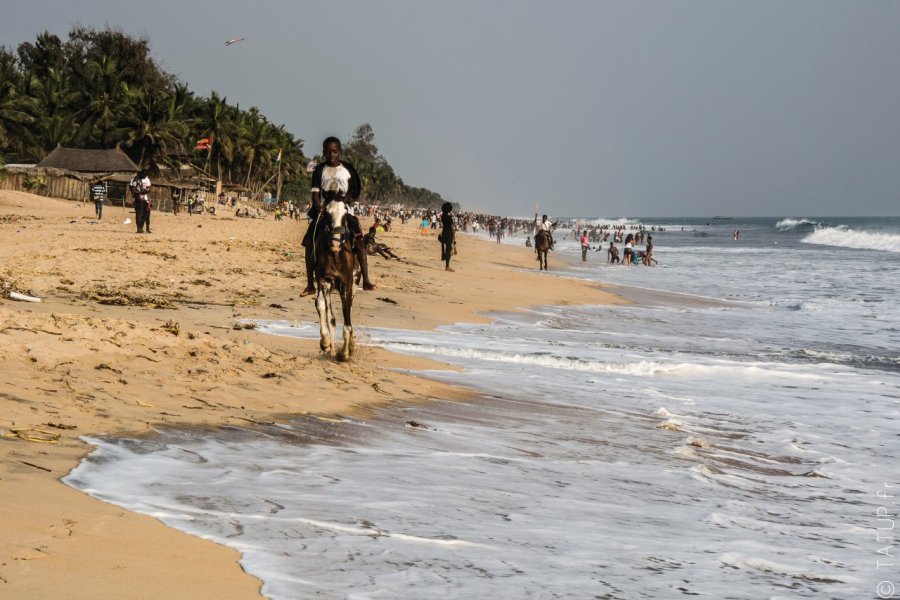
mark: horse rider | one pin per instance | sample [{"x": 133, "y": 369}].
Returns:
[
  {"x": 334, "y": 180},
  {"x": 545, "y": 225}
]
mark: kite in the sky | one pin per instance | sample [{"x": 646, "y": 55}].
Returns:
[{"x": 234, "y": 41}]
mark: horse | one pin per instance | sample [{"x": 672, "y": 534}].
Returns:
[
  {"x": 542, "y": 246},
  {"x": 336, "y": 267}
]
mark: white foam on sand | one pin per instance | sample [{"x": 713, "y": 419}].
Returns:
[{"x": 628, "y": 451}]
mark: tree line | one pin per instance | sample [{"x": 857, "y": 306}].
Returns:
[{"x": 102, "y": 89}]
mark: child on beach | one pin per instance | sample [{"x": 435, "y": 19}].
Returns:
[
  {"x": 375, "y": 247},
  {"x": 612, "y": 254}
]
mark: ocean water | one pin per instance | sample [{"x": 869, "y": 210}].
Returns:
[{"x": 734, "y": 434}]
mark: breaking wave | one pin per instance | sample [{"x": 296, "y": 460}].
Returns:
[
  {"x": 797, "y": 224},
  {"x": 641, "y": 368},
  {"x": 845, "y": 237}
]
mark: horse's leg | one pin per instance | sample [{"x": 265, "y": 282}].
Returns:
[
  {"x": 331, "y": 320},
  {"x": 332, "y": 323},
  {"x": 326, "y": 334},
  {"x": 346, "y": 307},
  {"x": 348, "y": 320}
]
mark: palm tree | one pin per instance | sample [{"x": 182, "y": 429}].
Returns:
[
  {"x": 53, "y": 96},
  {"x": 154, "y": 128},
  {"x": 218, "y": 121},
  {"x": 16, "y": 110},
  {"x": 105, "y": 97},
  {"x": 258, "y": 139}
]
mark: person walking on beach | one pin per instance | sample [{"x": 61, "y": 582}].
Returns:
[
  {"x": 98, "y": 195},
  {"x": 176, "y": 199},
  {"x": 585, "y": 245},
  {"x": 140, "y": 190},
  {"x": 334, "y": 179},
  {"x": 446, "y": 236}
]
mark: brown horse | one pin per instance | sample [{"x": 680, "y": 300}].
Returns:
[
  {"x": 542, "y": 246},
  {"x": 335, "y": 268}
]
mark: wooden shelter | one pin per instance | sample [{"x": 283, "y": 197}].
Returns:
[{"x": 69, "y": 173}]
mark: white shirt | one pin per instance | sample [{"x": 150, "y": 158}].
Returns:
[
  {"x": 335, "y": 179},
  {"x": 545, "y": 225},
  {"x": 140, "y": 185}
]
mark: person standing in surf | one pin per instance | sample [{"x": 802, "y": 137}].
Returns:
[{"x": 629, "y": 251}]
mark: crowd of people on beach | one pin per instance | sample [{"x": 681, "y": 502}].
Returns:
[{"x": 599, "y": 237}]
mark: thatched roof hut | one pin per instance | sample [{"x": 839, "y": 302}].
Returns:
[{"x": 88, "y": 161}]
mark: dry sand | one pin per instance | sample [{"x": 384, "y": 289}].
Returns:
[{"x": 137, "y": 331}]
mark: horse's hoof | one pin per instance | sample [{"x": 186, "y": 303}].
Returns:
[{"x": 342, "y": 356}]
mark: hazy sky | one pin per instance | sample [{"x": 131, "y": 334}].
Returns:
[{"x": 668, "y": 108}]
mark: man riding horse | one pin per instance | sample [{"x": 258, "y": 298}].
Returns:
[
  {"x": 544, "y": 227},
  {"x": 334, "y": 180}
]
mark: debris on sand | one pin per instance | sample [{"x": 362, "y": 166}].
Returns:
[{"x": 104, "y": 295}]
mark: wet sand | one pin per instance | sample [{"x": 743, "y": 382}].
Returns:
[{"x": 137, "y": 331}]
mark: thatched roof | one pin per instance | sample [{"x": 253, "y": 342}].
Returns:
[{"x": 88, "y": 161}]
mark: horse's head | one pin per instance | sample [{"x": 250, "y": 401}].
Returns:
[
  {"x": 338, "y": 237},
  {"x": 337, "y": 211}
]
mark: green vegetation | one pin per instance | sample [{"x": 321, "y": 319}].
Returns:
[
  {"x": 35, "y": 183},
  {"x": 102, "y": 89}
]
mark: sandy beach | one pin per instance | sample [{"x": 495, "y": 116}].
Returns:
[{"x": 138, "y": 331}]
